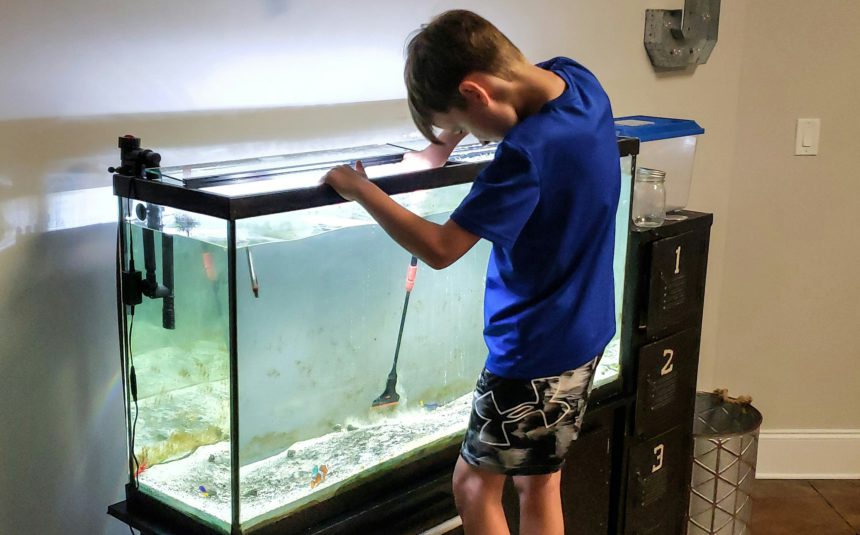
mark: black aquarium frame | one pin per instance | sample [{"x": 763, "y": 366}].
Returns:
[
  {"x": 414, "y": 497},
  {"x": 241, "y": 207}
]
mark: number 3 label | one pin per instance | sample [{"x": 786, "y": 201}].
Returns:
[{"x": 658, "y": 451}]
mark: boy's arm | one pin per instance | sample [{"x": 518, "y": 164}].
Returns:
[{"x": 436, "y": 245}]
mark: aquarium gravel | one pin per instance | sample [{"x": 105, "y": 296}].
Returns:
[{"x": 283, "y": 482}]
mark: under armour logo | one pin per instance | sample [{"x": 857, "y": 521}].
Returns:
[{"x": 494, "y": 433}]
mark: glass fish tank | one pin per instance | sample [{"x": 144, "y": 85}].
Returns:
[{"x": 279, "y": 349}]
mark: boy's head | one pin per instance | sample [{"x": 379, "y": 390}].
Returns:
[{"x": 447, "y": 63}]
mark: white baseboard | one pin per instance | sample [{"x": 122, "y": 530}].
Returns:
[{"x": 809, "y": 454}]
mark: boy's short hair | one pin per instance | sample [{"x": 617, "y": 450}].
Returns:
[{"x": 442, "y": 53}]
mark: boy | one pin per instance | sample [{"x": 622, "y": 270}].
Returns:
[{"x": 547, "y": 202}]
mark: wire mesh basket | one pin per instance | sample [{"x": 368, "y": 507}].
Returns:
[{"x": 725, "y": 436}]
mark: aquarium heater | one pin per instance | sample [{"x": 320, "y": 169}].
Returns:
[{"x": 134, "y": 163}]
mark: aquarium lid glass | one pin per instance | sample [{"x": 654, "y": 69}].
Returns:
[
  {"x": 281, "y": 172},
  {"x": 270, "y": 174}
]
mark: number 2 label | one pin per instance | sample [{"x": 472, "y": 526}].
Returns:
[{"x": 668, "y": 367}]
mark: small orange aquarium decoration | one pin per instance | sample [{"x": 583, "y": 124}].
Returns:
[{"x": 318, "y": 475}]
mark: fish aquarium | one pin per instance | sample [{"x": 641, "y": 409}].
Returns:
[{"x": 278, "y": 349}]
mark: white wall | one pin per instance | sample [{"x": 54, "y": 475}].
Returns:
[
  {"x": 217, "y": 80},
  {"x": 790, "y": 309},
  {"x": 102, "y": 57}
]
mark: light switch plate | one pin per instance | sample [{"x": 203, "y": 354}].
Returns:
[{"x": 807, "y": 136}]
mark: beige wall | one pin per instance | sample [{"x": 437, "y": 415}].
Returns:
[{"x": 789, "y": 313}]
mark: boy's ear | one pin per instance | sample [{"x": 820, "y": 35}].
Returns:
[{"x": 474, "y": 90}]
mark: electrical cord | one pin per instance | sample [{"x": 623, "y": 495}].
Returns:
[
  {"x": 131, "y": 373},
  {"x": 133, "y": 381}
]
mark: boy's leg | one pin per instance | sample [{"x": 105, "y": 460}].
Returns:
[
  {"x": 478, "y": 494},
  {"x": 540, "y": 504}
]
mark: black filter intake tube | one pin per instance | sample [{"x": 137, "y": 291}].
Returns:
[
  {"x": 150, "y": 284},
  {"x": 168, "y": 315},
  {"x": 151, "y": 287}
]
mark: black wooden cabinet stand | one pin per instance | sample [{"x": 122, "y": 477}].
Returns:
[{"x": 664, "y": 333}]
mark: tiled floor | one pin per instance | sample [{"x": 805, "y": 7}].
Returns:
[{"x": 814, "y": 507}]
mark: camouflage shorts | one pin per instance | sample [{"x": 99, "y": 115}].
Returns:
[{"x": 525, "y": 426}]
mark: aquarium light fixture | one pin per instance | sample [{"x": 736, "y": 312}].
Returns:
[
  {"x": 291, "y": 180},
  {"x": 285, "y": 182}
]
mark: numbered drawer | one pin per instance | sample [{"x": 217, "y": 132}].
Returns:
[
  {"x": 666, "y": 384},
  {"x": 656, "y": 483},
  {"x": 677, "y": 283}
]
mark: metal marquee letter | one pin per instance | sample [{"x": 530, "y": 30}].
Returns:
[{"x": 676, "y": 39}]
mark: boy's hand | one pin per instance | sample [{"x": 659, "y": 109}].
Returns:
[
  {"x": 347, "y": 181},
  {"x": 422, "y": 159},
  {"x": 434, "y": 155},
  {"x": 436, "y": 245}
]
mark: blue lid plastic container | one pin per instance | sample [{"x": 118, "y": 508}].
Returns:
[
  {"x": 666, "y": 144},
  {"x": 648, "y": 128}
]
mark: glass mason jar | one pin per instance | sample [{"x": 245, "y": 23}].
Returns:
[{"x": 649, "y": 198}]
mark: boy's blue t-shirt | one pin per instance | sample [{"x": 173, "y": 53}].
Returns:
[{"x": 547, "y": 202}]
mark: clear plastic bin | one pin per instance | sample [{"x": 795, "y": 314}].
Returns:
[{"x": 666, "y": 144}]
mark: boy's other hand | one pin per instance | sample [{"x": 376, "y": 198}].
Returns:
[
  {"x": 347, "y": 181},
  {"x": 434, "y": 155},
  {"x": 423, "y": 159}
]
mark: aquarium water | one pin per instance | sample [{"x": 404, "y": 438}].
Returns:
[{"x": 315, "y": 345}]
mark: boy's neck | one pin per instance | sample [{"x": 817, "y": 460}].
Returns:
[{"x": 533, "y": 87}]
